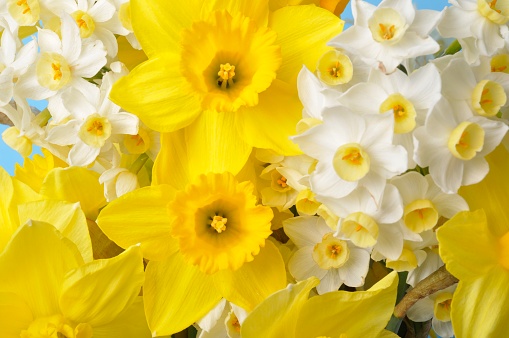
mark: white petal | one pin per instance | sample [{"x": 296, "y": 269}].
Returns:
[
  {"x": 124, "y": 123},
  {"x": 71, "y": 40},
  {"x": 8, "y": 47},
  {"x": 82, "y": 154},
  {"x": 475, "y": 170},
  {"x": 330, "y": 282},
  {"x": 77, "y": 104},
  {"x": 448, "y": 205},
  {"x": 355, "y": 98},
  {"x": 455, "y": 22},
  {"x": 49, "y": 41},
  {"x": 443, "y": 329},
  {"x": 411, "y": 186},
  {"x": 303, "y": 230},
  {"x": 65, "y": 134},
  {"x": 325, "y": 181},
  {"x": 302, "y": 265},
  {"x": 211, "y": 318},
  {"x": 424, "y": 22},
  {"x": 391, "y": 208},
  {"x": 108, "y": 39},
  {"x": 25, "y": 57},
  {"x": 390, "y": 241},
  {"x": 425, "y": 87},
  {"x": 91, "y": 60},
  {"x": 356, "y": 267},
  {"x": 102, "y": 11},
  {"x": 421, "y": 311}
]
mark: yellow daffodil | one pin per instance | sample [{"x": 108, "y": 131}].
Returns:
[
  {"x": 289, "y": 313},
  {"x": 204, "y": 242},
  {"x": 224, "y": 69},
  {"x": 475, "y": 248},
  {"x": 47, "y": 290}
]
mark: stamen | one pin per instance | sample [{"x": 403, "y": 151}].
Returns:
[
  {"x": 358, "y": 228},
  {"x": 219, "y": 223},
  {"x": 226, "y": 74},
  {"x": 81, "y": 23},
  {"x": 387, "y": 34},
  {"x": 24, "y": 3},
  {"x": 354, "y": 157},
  {"x": 498, "y": 69},
  {"x": 492, "y": 6},
  {"x": 335, "y": 70},
  {"x": 57, "y": 72},
  {"x": 398, "y": 110},
  {"x": 96, "y": 128},
  {"x": 282, "y": 182}
]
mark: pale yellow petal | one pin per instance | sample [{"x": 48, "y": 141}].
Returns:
[
  {"x": 277, "y": 316},
  {"x": 76, "y": 184},
  {"x": 466, "y": 245},
  {"x": 303, "y": 32},
  {"x": 97, "y": 292},
  {"x": 356, "y": 314},
  {"x": 157, "y": 92},
  {"x": 141, "y": 217},
  {"x": 176, "y": 294},
  {"x": 34, "y": 265},
  {"x": 67, "y": 217},
  {"x": 479, "y": 307},
  {"x": 15, "y": 315},
  {"x": 271, "y": 123},
  {"x": 254, "y": 281},
  {"x": 129, "y": 324}
]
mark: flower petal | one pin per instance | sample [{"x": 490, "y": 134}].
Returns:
[{"x": 15, "y": 315}]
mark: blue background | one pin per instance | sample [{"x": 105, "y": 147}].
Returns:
[{"x": 9, "y": 157}]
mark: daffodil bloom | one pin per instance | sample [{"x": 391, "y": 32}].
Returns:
[
  {"x": 204, "y": 242},
  {"x": 64, "y": 296},
  {"x": 475, "y": 248},
  {"x": 228, "y": 64},
  {"x": 289, "y": 313}
]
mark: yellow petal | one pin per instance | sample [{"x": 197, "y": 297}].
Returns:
[
  {"x": 270, "y": 123},
  {"x": 479, "y": 307},
  {"x": 34, "y": 265},
  {"x": 158, "y": 24},
  {"x": 75, "y": 184},
  {"x": 8, "y": 226},
  {"x": 144, "y": 210},
  {"x": 303, "y": 32},
  {"x": 173, "y": 158},
  {"x": 68, "y": 218},
  {"x": 176, "y": 294},
  {"x": 157, "y": 93},
  {"x": 356, "y": 314},
  {"x": 254, "y": 281},
  {"x": 22, "y": 144},
  {"x": 129, "y": 56},
  {"x": 257, "y": 11},
  {"x": 97, "y": 292},
  {"x": 387, "y": 334},
  {"x": 466, "y": 245},
  {"x": 34, "y": 170},
  {"x": 15, "y": 315},
  {"x": 277, "y": 315},
  {"x": 492, "y": 192},
  {"x": 129, "y": 324}
]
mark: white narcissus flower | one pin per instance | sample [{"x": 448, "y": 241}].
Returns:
[
  {"x": 96, "y": 124},
  {"x": 431, "y": 264},
  {"x": 368, "y": 224},
  {"x": 117, "y": 182},
  {"x": 352, "y": 150},
  {"x": 477, "y": 88},
  {"x": 321, "y": 254},
  {"x": 424, "y": 203},
  {"x": 224, "y": 320},
  {"x": 62, "y": 64},
  {"x": 438, "y": 307},
  {"x": 453, "y": 144},
  {"x": 13, "y": 63},
  {"x": 386, "y": 35},
  {"x": 408, "y": 97},
  {"x": 479, "y": 25}
]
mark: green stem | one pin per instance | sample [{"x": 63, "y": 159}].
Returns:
[
  {"x": 394, "y": 322},
  {"x": 139, "y": 163},
  {"x": 453, "y": 48},
  {"x": 42, "y": 118}
]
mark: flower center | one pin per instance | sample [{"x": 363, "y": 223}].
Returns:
[
  {"x": 278, "y": 182},
  {"x": 218, "y": 223},
  {"x": 404, "y": 113},
  {"x": 229, "y": 75},
  {"x": 442, "y": 307},
  {"x": 500, "y": 63},
  {"x": 387, "y": 25},
  {"x": 361, "y": 229},
  {"x": 25, "y": 12},
  {"x": 139, "y": 143},
  {"x": 226, "y": 74},
  {"x": 334, "y": 68},
  {"x": 233, "y": 324},
  {"x": 466, "y": 140},
  {"x": 496, "y": 11},
  {"x": 331, "y": 253},
  {"x": 350, "y": 162},
  {"x": 420, "y": 215},
  {"x": 56, "y": 327},
  {"x": 53, "y": 71},
  {"x": 488, "y": 97},
  {"x": 84, "y": 22},
  {"x": 95, "y": 131}
]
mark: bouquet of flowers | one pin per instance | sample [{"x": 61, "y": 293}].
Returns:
[{"x": 239, "y": 168}]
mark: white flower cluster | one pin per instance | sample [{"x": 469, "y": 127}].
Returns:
[
  {"x": 387, "y": 146},
  {"x": 69, "y": 60}
]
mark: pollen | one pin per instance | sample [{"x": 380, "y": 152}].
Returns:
[
  {"x": 493, "y": 5},
  {"x": 225, "y": 75},
  {"x": 282, "y": 182},
  {"x": 335, "y": 70},
  {"x": 219, "y": 223},
  {"x": 57, "y": 72},
  {"x": 387, "y": 33},
  {"x": 96, "y": 127},
  {"x": 24, "y": 4},
  {"x": 353, "y": 157}
]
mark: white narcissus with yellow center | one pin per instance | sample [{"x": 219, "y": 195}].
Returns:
[
  {"x": 332, "y": 260},
  {"x": 386, "y": 35},
  {"x": 224, "y": 320},
  {"x": 408, "y": 97},
  {"x": 62, "y": 64},
  {"x": 352, "y": 151},
  {"x": 453, "y": 143}
]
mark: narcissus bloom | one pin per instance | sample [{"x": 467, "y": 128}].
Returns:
[
  {"x": 289, "y": 313},
  {"x": 205, "y": 242},
  {"x": 228, "y": 63}
]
